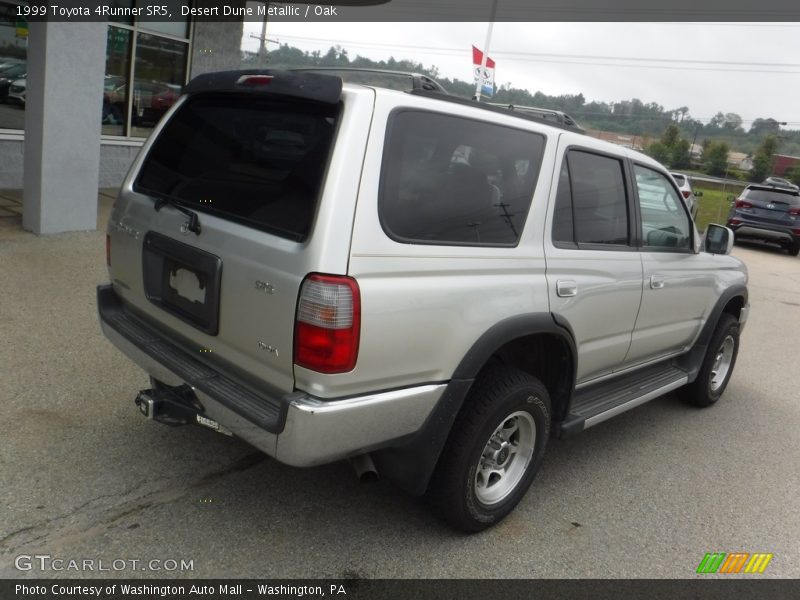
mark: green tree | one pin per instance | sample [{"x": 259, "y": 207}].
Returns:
[
  {"x": 671, "y": 150},
  {"x": 679, "y": 154},
  {"x": 659, "y": 152},
  {"x": 793, "y": 175},
  {"x": 715, "y": 158},
  {"x": 764, "y": 158}
]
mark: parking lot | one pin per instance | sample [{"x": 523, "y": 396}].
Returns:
[{"x": 646, "y": 494}]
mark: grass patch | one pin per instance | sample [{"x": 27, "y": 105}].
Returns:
[{"x": 713, "y": 206}]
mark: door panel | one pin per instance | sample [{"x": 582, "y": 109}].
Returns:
[
  {"x": 594, "y": 275},
  {"x": 678, "y": 284}
]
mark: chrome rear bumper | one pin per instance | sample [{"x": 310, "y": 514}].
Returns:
[{"x": 296, "y": 429}]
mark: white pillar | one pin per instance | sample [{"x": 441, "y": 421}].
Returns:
[{"x": 66, "y": 64}]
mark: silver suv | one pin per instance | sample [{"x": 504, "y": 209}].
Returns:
[{"x": 427, "y": 286}]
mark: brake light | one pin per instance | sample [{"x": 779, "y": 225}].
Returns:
[
  {"x": 734, "y": 221},
  {"x": 328, "y": 324},
  {"x": 743, "y": 204},
  {"x": 686, "y": 193},
  {"x": 108, "y": 250},
  {"x": 795, "y": 212},
  {"x": 254, "y": 80}
]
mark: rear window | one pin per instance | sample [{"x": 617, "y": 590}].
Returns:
[
  {"x": 453, "y": 181},
  {"x": 771, "y": 196},
  {"x": 256, "y": 161}
]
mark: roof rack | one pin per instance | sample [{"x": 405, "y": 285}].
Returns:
[
  {"x": 419, "y": 81},
  {"x": 536, "y": 115},
  {"x": 545, "y": 113}
]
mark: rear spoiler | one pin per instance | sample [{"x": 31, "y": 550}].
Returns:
[{"x": 309, "y": 86}]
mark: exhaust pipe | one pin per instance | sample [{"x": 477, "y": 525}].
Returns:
[{"x": 364, "y": 468}]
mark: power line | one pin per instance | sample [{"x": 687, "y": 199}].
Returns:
[{"x": 513, "y": 54}]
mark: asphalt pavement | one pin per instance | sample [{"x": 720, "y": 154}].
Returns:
[{"x": 84, "y": 477}]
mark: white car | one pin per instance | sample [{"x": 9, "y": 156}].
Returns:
[
  {"x": 689, "y": 196},
  {"x": 16, "y": 93}
]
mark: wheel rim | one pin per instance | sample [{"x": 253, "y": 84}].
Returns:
[
  {"x": 505, "y": 458},
  {"x": 722, "y": 363}
]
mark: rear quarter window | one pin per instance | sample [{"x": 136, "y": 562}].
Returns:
[
  {"x": 450, "y": 180},
  {"x": 256, "y": 161}
]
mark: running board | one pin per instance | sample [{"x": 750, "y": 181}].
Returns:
[{"x": 597, "y": 403}]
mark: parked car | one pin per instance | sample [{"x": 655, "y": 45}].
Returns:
[
  {"x": 8, "y": 75},
  {"x": 151, "y": 99},
  {"x": 767, "y": 213},
  {"x": 16, "y": 91},
  {"x": 780, "y": 182},
  {"x": 477, "y": 279},
  {"x": 687, "y": 191}
]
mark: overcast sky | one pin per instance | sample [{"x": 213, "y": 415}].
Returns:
[{"x": 750, "y": 69}]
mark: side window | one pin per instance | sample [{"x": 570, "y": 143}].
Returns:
[
  {"x": 563, "y": 229},
  {"x": 665, "y": 224},
  {"x": 452, "y": 181},
  {"x": 598, "y": 198}
]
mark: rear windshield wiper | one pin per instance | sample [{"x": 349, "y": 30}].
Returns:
[{"x": 192, "y": 225}]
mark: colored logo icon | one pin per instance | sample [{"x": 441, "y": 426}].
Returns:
[{"x": 734, "y": 562}]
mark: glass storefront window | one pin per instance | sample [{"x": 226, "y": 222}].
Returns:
[
  {"x": 13, "y": 69},
  {"x": 159, "y": 74},
  {"x": 157, "y": 67},
  {"x": 115, "y": 84}
]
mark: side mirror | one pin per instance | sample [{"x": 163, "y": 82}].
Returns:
[
  {"x": 698, "y": 194},
  {"x": 718, "y": 239}
]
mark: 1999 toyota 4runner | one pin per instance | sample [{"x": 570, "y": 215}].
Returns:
[{"x": 425, "y": 285}]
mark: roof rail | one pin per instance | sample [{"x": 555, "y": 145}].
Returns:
[
  {"x": 558, "y": 115},
  {"x": 419, "y": 81},
  {"x": 536, "y": 115}
]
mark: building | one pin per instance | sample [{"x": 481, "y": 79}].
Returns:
[{"x": 784, "y": 163}]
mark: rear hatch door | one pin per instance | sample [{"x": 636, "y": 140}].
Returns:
[
  {"x": 262, "y": 172},
  {"x": 771, "y": 207}
]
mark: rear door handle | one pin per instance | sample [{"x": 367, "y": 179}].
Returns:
[
  {"x": 656, "y": 282},
  {"x": 566, "y": 288}
]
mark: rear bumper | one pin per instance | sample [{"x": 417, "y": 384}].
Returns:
[
  {"x": 296, "y": 428},
  {"x": 768, "y": 233}
]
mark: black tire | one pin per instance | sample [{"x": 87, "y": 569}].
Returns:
[
  {"x": 708, "y": 387},
  {"x": 501, "y": 398},
  {"x": 793, "y": 250}
]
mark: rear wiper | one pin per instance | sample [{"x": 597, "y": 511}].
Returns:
[{"x": 192, "y": 225}]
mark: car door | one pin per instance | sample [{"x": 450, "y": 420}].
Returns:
[
  {"x": 678, "y": 282},
  {"x": 594, "y": 272}
]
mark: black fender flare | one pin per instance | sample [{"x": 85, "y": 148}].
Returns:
[
  {"x": 693, "y": 360},
  {"x": 411, "y": 463}
]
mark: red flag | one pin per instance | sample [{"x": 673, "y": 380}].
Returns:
[{"x": 477, "y": 58}]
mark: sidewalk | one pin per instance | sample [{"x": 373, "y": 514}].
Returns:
[{"x": 11, "y": 211}]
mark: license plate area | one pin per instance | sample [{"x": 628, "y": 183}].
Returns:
[{"x": 182, "y": 280}]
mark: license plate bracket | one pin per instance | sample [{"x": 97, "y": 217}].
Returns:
[{"x": 182, "y": 280}]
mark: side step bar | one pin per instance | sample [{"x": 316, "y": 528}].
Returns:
[{"x": 600, "y": 402}]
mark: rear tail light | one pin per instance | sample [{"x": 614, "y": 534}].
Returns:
[
  {"x": 686, "y": 194},
  {"x": 328, "y": 324},
  {"x": 795, "y": 212},
  {"x": 734, "y": 221},
  {"x": 108, "y": 250},
  {"x": 743, "y": 204}
]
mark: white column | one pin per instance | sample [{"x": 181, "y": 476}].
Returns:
[{"x": 66, "y": 64}]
